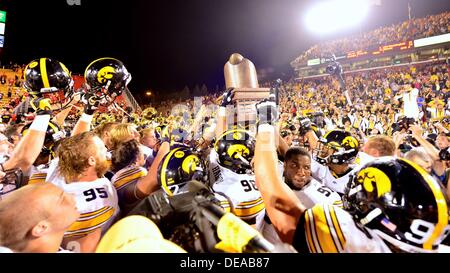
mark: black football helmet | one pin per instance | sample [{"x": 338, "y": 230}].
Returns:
[
  {"x": 177, "y": 168},
  {"x": 53, "y": 135},
  {"x": 46, "y": 76},
  {"x": 336, "y": 147},
  {"x": 401, "y": 203},
  {"x": 236, "y": 150},
  {"x": 107, "y": 78}
]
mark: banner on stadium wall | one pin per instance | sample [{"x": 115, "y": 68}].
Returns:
[
  {"x": 439, "y": 39},
  {"x": 313, "y": 62},
  {"x": 2, "y": 16}
]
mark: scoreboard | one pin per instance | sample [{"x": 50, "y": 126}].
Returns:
[{"x": 2, "y": 27}]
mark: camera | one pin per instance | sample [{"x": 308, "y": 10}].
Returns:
[
  {"x": 403, "y": 124},
  {"x": 444, "y": 154},
  {"x": 305, "y": 125},
  {"x": 334, "y": 68}
]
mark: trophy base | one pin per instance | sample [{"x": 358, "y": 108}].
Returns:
[{"x": 245, "y": 99}]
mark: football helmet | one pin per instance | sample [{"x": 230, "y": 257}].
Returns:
[
  {"x": 400, "y": 202},
  {"x": 336, "y": 147},
  {"x": 235, "y": 149},
  {"x": 46, "y": 77},
  {"x": 52, "y": 136},
  {"x": 177, "y": 168},
  {"x": 107, "y": 78}
]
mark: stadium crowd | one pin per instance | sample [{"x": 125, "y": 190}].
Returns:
[
  {"x": 415, "y": 28},
  {"x": 320, "y": 169}
]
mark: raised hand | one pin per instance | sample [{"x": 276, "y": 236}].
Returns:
[
  {"x": 91, "y": 103},
  {"x": 41, "y": 106}
]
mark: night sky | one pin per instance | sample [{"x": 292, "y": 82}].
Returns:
[{"x": 167, "y": 44}]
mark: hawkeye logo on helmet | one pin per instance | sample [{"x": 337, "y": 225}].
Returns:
[
  {"x": 105, "y": 74},
  {"x": 190, "y": 163},
  {"x": 238, "y": 149},
  {"x": 372, "y": 178},
  {"x": 350, "y": 141}
]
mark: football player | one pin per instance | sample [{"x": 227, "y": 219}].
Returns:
[
  {"x": 297, "y": 175},
  {"x": 391, "y": 205},
  {"x": 231, "y": 174},
  {"x": 79, "y": 169},
  {"x": 132, "y": 181}
]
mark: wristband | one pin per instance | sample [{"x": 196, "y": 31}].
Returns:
[
  {"x": 266, "y": 128},
  {"x": 86, "y": 118},
  {"x": 40, "y": 123},
  {"x": 222, "y": 111}
]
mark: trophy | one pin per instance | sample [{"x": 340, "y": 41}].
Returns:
[{"x": 240, "y": 74}]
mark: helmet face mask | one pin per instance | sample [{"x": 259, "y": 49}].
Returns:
[
  {"x": 401, "y": 203},
  {"x": 236, "y": 150}
]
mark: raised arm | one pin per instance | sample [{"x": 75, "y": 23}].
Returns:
[
  {"x": 149, "y": 183},
  {"x": 227, "y": 99},
  {"x": 91, "y": 103},
  {"x": 282, "y": 206},
  {"x": 29, "y": 147}
]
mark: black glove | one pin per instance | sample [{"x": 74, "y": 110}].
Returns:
[
  {"x": 91, "y": 103},
  {"x": 227, "y": 97},
  {"x": 41, "y": 106}
]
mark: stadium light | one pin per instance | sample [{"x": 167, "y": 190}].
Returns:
[{"x": 330, "y": 16}]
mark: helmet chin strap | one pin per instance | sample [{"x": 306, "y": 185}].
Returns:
[{"x": 370, "y": 216}]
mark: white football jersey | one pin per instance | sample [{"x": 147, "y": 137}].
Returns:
[
  {"x": 96, "y": 201},
  {"x": 330, "y": 229},
  {"x": 246, "y": 200},
  {"x": 310, "y": 195},
  {"x": 324, "y": 175}
]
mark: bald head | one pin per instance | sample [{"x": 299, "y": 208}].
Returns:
[{"x": 33, "y": 212}]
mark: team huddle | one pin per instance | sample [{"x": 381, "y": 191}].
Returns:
[{"x": 66, "y": 188}]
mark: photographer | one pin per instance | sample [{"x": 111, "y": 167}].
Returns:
[{"x": 425, "y": 154}]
